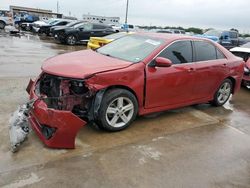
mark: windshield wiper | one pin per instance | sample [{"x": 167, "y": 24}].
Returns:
[{"x": 104, "y": 54}]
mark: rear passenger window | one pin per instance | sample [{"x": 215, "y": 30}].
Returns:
[
  {"x": 96, "y": 26},
  {"x": 178, "y": 52},
  {"x": 220, "y": 55},
  {"x": 204, "y": 51}
]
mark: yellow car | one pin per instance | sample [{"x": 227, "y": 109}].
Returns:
[{"x": 96, "y": 42}]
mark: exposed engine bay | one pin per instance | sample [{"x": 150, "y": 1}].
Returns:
[{"x": 65, "y": 94}]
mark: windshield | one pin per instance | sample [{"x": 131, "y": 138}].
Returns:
[
  {"x": 56, "y": 22},
  {"x": 133, "y": 48},
  {"x": 78, "y": 25},
  {"x": 51, "y": 22},
  {"x": 213, "y": 33},
  {"x": 71, "y": 24},
  {"x": 116, "y": 35},
  {"x": 247, "y": 45}
]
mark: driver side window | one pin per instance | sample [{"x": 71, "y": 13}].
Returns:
[
  {"x": 86, "y": 27},
  {"x": 178, "y": 52}
]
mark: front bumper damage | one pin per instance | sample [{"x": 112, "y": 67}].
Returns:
[
  {"x": 57, "y": 129},
  {"x": 55, "y": 119},
  {"x": 246, "y": 79}
]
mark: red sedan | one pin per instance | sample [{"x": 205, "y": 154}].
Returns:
[{"x": 134, "y": 75}]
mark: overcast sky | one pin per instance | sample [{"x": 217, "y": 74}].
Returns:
[{"x": 220, "y": 14}]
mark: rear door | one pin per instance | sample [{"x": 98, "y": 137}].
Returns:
[
  {"x": 211, "y": 68},
  {"x": 98, "y": 30},
  {"x": 171, "y": 85}
]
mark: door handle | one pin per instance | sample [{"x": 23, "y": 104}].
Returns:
[{"x": 190, "y": 69}]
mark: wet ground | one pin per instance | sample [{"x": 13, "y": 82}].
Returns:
[{"x": 199, "y": 146}]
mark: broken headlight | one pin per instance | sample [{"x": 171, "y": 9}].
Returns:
[{"x": 246, "y": 70}]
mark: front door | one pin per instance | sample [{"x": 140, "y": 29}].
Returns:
[
  {"x": 171, "y": 85},
  {"x": 85, "y": 31}
]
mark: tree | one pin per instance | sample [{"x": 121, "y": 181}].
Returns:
[
  {"x": 233, "y": 29},
  {"x": 194, "y": 30}
]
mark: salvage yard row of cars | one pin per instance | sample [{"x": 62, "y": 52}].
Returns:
[
  {"x": 68, "y": 31},
  {"x": 75, "y": 32},
  {"x": 135, "y": 74}
]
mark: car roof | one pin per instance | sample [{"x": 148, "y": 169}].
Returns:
[{"x": 171, "y": 37}]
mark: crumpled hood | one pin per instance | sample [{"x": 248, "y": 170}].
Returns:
[
  {"x": 82, "y": 64},
  {"x": 57, "y": 28}
]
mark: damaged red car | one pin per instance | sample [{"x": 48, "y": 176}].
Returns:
[{"x": 134, "y": 75}]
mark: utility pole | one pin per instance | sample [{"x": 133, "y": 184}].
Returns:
[
  {"x": 57, "y": 7},
  {"x": 126, "y": 18}
]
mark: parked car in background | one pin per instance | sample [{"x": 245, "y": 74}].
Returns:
[
  {"x": 244, "y": 52},
  {"x": 45, "y": 29},
  {"x": 173, "y": 31},
  {"x": 5, "y": 18},
  {"x": 38, "y": 24},
  {"x": 56, "y": 30},
  {"x": 82, "y": 32},
  {"x": 128, "y": 27},
  {"x": 134, "y": 75},
  {"x": 24, "y": 17},
  {"x": 26, "y": 26},
  {"x": 96, "y": 42},
  {"x": 228, "y": 39},
  {"x": 163, "y": 31}
]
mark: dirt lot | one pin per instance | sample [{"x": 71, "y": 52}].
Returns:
[{"x": 198, "y": 146}]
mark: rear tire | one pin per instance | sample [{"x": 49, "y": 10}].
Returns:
[
  {"x": 2, "y": 25},
  {"x": 223, "y": 93},
  {"x": 118, "y": 110}
]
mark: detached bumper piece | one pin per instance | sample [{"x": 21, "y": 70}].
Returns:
[
  {"x": 56, "y": 128},
  {"x": 19, "y": 127}
]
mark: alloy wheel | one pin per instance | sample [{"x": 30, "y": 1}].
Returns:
[
  {"x": 224, "y": 92},
  {"x": 71, "y": 40},
  {"x": 119, "y": 112}
]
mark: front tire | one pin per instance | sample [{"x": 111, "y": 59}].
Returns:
[
  {"x": 2, "y": 25},
  {"x": 118, "y": 110},
  {"x": 223, "y": 93},
  {"x": 71, "y": 40}
]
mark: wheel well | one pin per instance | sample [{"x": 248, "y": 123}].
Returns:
[
  {"x": 233, "y": 81},
  {"x": 1, "y": 21},
  {"x": 123, "y": 87}
]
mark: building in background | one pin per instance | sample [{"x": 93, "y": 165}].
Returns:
[
  {"x": 102, "y": 19},
  {"x": 18, "y": 11}
]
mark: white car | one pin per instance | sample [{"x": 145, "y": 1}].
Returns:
[
  {"x": 5, "y": 19},
  {"x": 37, "y": 24},
  {"x": 244, "y": 52}
]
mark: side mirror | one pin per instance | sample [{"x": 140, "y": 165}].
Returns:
[{"x": 162, "y": 62}]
